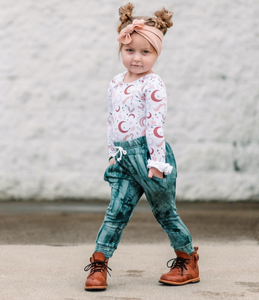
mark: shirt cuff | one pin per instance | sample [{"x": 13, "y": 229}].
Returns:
[{"x": 162, "y": 167}]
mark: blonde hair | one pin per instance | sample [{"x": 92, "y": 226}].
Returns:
[{"x": 162, "y": 21}]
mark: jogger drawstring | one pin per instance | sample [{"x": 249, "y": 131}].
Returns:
[{"x": 121, "y": 151}]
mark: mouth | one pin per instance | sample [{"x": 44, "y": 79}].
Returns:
[{"x": 136, "y": 66}]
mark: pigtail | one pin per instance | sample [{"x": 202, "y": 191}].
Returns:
[
  {"x": 125, "y": 13},
  {"x": 162, "y": 20}
]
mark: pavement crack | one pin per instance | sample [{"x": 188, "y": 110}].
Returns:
[
  {"x": 220, "y": 295},
  {"x": 134, "y": 273},
  {"x": 252, "y": 286}
]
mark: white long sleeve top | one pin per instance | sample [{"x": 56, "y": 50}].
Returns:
[{"x": 138, "y": 109}]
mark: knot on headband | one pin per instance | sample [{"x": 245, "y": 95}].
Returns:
[{"x": 152, "y": 34}]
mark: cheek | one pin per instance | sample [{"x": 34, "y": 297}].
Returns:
[
  {"x": 124, "y": 58},
  {"x": 151, "y": 62},
  {"x": 154, "y": 60},
  {"x": 126, "y": 61}
]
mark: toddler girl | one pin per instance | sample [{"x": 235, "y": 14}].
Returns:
[{"x": 140, "y": 160}]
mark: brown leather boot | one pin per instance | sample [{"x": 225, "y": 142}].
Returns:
[
  {"x": 97, "y": 278},
  {"x": 184, "y": 269}
]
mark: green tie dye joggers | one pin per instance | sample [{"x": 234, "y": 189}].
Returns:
[{"x": 128, "y": 180}]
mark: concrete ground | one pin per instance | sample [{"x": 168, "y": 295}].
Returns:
[{"x": 45, "y": 246}]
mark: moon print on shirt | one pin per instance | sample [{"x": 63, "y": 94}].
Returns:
[
  {"x": 120, "y": 129},
  {"x": 126, "y": 92},
  {"x": 153, "y": 97},
  {"x": 156, "y": 133},
  {"x": 141, "y": 106}
]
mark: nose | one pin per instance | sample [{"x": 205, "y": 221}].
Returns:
[{"x": 137, "y": 57}]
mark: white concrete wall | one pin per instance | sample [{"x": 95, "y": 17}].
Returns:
[{"x": 56, "y": 61}]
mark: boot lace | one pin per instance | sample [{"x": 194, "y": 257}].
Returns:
[
  {"x": 97, "y": 266},
  {"x": 178, "y": 263}
]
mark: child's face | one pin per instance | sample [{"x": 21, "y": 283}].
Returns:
[{"x": 139, "y": 56}]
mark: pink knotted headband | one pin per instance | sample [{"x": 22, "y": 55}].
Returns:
[{"x": 152, "y": 34}]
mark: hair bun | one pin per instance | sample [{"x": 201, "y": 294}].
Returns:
[
  {"x": 125, "y": 13},
  {"x": 164, "y": 19},
  {"x": 161, "y": 21}
]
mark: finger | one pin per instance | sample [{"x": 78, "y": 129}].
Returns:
[
  {"x": 150, "y": 174},
  {"x": 112, "y": 162}
]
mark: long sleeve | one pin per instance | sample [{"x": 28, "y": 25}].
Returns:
[
  {"x": 156, "y": 109},
  {"x": 110, "y": 120}
]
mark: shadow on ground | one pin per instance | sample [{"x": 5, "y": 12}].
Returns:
[{"x": 69, "y": 223}]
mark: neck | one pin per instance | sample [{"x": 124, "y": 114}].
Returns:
[{"x": 131, "y": 77}]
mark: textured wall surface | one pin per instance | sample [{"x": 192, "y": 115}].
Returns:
[{"x": 56, "y": 61}]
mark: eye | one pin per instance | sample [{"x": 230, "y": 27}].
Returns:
[
  {"x": 129, "y": 50},
  {"x": 145, "y": 52}
]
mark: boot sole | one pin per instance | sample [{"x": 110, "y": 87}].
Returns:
[
  {"x": 95, "y": 288},
  {"x": 195, "y": 280}
]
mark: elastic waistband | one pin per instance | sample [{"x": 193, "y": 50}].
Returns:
[{"x": 132, "y": 143}]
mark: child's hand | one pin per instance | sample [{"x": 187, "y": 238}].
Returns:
[
  {"x": 155, "y": 172},
  {"x": 112, "y": 161}
]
